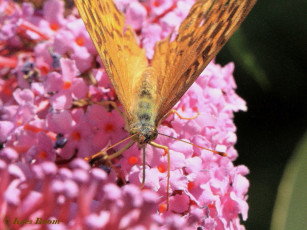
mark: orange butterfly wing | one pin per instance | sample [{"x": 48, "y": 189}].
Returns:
[
  {"x": 201, "y": 35},
  {"x": 117, "y": 46}
]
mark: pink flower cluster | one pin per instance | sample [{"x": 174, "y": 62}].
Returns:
[{"x": 47, "y": 61}]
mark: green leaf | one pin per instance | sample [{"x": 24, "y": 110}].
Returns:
[
  {"x": 239, "y": 48},
  {"x": 290, "y": 211}
]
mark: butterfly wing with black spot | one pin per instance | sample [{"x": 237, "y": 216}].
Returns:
[
  {"x": 117, "y": 46},
  {"x": 205, "y": 30}
]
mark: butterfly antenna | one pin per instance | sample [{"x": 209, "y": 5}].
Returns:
[
  {"x": 223, "y": 154},
  {"x": 101, "y": 152}
]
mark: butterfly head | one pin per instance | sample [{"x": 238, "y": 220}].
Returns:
[{"x": 144, "y": 134}]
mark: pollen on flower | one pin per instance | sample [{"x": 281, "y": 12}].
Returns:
[
  {"x": 162, "y": 208},
  {"x": 133, "y": 160},
  {"x": 76, "y": 135},
  {"x": 80, "y": 41},
  {"x": 161, "y": 168},
  {"x": 109, "y": 127},
  {"x": 54, "y": 26},
  {"x": 19, "y": 122},
  {"x": 66, "y": 84}
]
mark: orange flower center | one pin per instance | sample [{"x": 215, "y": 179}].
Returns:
[
  {"x": 156, "y": 3},
  {"x": 44, "y": 69},
  {"x": 133, "y": 160},
  {"x": 191, "y": 185},
  {"x": 162, "y": 207},
  {"x": 42, "y": 155},
  {"x": 109, "y": 127},
  {"x": 161, "y": 168},
  {"x": 80, "y": 41},
  {"x": 66, "y": 84},
  {"x": 54, "y": 26},
  {"x": 76, "y": 135},
  {"x": 195, "y": 109}
]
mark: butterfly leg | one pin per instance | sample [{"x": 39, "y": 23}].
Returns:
[
  {"x": 82, "y": 102},
  {"x": 106, "y": 104},
  {"x": 143, "y": 157},
  {"x": 173, "y": 111},
  {"x": 184, "y": 118},
  {"x": 106, "y": 163},
  {"x": 102, "y": 156},
  {"x": 108, "y": 158},
  {"x": 112, "y": 104},
  {"x": 166, "y": 151}
]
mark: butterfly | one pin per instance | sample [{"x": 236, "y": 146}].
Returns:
[{"x": 149, "y": 90}]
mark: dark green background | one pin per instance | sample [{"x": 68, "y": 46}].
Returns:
[{"x": 269, "y": 53}]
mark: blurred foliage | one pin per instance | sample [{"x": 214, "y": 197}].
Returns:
[
  {"x": 270, "y": 59},
  {"x": 291, "y": 205},
  {"x": 240, "y": 49}
]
